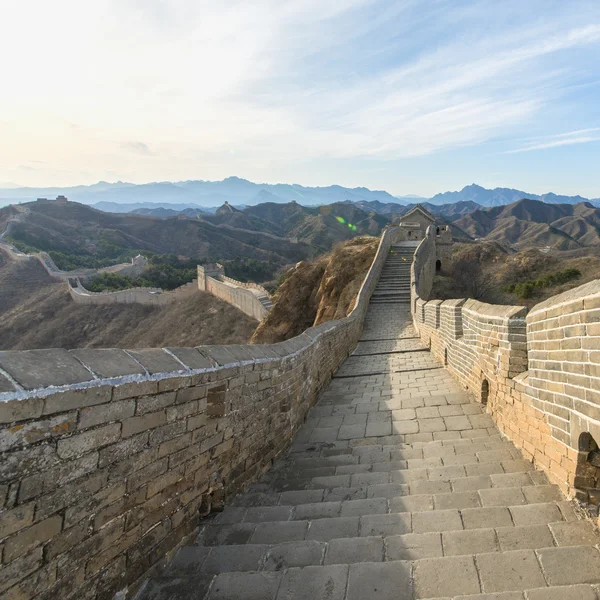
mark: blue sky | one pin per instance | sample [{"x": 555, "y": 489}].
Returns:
[{"x": 409, "y": 96}]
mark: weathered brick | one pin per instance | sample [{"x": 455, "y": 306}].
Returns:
[
  {"x": 21, "y": 463},
  {"x": 172, "y": 384},
  {"x": 91, "y": 505},
  {"x": 57, "y": 476},
  {"x": 123, "y": 449},
  {"x": 211, "y": 442},
  {"x": 174, "y": 445},
  {"x": 31, "y": 537},
  {"x": 34, "y": 431},
  {"x": 71, "y": 399},
  {"x": 106, "y": 413},
  {"x": 16, "y": 519},
  {"x": 35, "y": 583},
  {"x": 69, "y": 494},
  {"x": 134, "y": 390},
  {"x": 19, "y": 569},
  {"x": 67, "y": 539},
  {"x": 196, "y": 421},
  {"x": 146, "y": 474},
  {"x": 189, "y": 394},
  {"x": 135, "y": 425},
  {"x": 150, "y": 404},
  {"x": 18, "y": 410},
  {"x": 167, "y": 432},
  {"x": 164, "y": 480},
  {"x": 81, "y": 443}
]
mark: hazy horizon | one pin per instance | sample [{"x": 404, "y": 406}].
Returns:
[{"x": 401, "y": 96}]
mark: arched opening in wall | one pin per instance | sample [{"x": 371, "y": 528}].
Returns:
[
  {"x": 438, "y": 265},
  {"x": 485, "y": 391},
  {"x": 409, "y": 234},
  {"x": 587, "y": 475},
  {"x": 438, "y": 231},
  {"x": 445, "y": 357}
]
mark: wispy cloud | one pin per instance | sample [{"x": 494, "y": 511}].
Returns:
[
  {"x": 137, "y": 148},
  {"x": 581, "y": 136},
  {"x": 253, "y": 87}
]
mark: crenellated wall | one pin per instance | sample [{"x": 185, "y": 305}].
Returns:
[
  {"x": 109, "y": 458},
  {"x": 539, "y": 373},
  {"x": 150, "y": 296},
  {"x": 250, "y": 298}
]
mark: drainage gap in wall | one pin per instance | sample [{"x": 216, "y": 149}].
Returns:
[
  {"x": 485, "y": 391},
  {"x": 587, "y": 475}
]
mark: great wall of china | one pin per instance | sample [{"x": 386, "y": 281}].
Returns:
[
  {"x": 110, "y": 458},
  {"x": 250, "y": 298}
]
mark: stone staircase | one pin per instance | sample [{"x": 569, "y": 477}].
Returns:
[
  {"x": 393, "y": 286},
  {"x": 266, "y": 302},
  {"x": 398, "y": 487}
]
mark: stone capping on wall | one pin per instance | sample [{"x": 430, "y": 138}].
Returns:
[
  {"x": 542, "y": 368},
  {"x": 109, "y": 457}
]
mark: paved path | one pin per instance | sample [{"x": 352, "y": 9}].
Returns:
[{"x": 398, "y": 487}]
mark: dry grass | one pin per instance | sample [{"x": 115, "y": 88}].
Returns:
[
  {"x": 37, "y": 312},
  {"x": 492, "y": 268},
  {"x": 318, "y": 291}
]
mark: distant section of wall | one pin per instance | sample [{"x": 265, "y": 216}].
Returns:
[
  {"x": 247, "y": 286},
  {"x": 151, "y": 296},
  {"x": 539, "y": 373},
  {"x": 251, "y": 298},
  {"x": 134, "y": 268},
  {"x": 110, "y": 457}
]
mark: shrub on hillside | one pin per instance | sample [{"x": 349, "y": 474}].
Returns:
[{"x": 526, "y": 289}]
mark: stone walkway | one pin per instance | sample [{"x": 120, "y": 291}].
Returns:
[{"x": 398, "y": 487}]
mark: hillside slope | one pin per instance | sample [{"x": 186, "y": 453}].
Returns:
[
  {"x": 38, "y": 312},
  {"x": 488, "y": 272},
  {"x": 76, "y": 228},
  {"x": 532, "y": 223},
  {"x": 318, "y": 291}
]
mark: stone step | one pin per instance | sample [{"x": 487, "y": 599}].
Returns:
[
  {"x": 367, "y": 521},
  {"x": 410, "y": 489},
  {"x": 379, "y": 499},
  {"x": 416, "y": 456},
  {"x": 545, "y": 573},
  {"x": 379, "y": 541}
]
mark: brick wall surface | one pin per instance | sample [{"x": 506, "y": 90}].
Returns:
[
  {"x": 109, "y": 458},
  {"x": 538, "y": 372}
]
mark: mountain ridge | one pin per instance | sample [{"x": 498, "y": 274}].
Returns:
[{"x": 202, "y": 194}]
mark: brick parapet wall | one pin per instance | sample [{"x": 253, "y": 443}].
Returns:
[
  {"x": 542, "y": 369},
  {"x": 109, "y": 458},
  {"x": 239, "y": 297},
  {"x": 248, "y": 286},
  {"x": 139, "y": 295}
]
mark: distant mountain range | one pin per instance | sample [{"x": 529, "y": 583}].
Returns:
[
  {"x": 197, "y": 194},
  {"x": 502, "y": 196},
  {"x": 532, "y": 223},
  {"x": 207, "y": 195}
]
